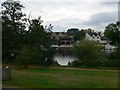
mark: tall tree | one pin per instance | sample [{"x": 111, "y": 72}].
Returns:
[
  {"x": 37, "y": 34},
  {"x": 112, "y": 31},
  {"x": 12, "y": 26}
]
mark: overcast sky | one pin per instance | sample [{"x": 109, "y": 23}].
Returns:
[{"x": 81, "y": 14}]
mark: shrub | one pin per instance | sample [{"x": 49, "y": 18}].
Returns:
[
  {"x": 88, "y": 52},
  {"x": 28, "y": 55},
  {"x": 77, "y": 63},
  {"x": 110, "y": 63},
  {"x": 50, "y": 54}
]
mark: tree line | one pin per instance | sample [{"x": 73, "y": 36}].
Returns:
[
  {"x": 31, "y": 46},
  {"x": 20, "y": 45}
]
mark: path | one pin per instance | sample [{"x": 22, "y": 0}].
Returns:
[
  {"x": 72, "y": 68},
  {"x": 84, "y": 69}
]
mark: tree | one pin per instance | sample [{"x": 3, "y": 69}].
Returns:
[
  {"x": 87, "y": 52},
  {"x": 37, "y": 34},
  {"x": 16, "y": 39},
  {"x": 12, "y": 27},
  {"x": 72, "y": 31},
  {"x": 80, "y": 35},
  {"x": 112, "y": 31},
  {"x": 29, "y": 55}
]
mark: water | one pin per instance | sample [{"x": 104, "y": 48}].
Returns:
[{"x": 64, "y": 56}]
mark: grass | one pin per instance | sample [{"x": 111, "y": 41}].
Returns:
[{"x": 61, "y": 78}]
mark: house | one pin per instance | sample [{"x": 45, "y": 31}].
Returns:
[
  {"x": 66, "y": 40},
  {"x": 98, "y": 37},
  {"x": 62, "y": 38}
]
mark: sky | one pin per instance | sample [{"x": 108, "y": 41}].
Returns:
[{"x": 66, "y": 14}]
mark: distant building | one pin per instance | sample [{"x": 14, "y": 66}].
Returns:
[
  {"x": 98, "y": 37},
  {"x": 62, "y": 38}
]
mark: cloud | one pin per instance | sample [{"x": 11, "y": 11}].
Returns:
[
  {"x": 69, "y": 0},
  {"x": 73, "y": 13},
  {"x": 102, "y": 18}
]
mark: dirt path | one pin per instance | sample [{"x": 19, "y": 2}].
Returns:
[
  {"x": 76, "y": 68},
  {"x": 84, "y": 69},
  {"x": 70, "y": 68}
]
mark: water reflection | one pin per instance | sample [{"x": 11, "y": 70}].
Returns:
[{"x": 64, "y": 56}]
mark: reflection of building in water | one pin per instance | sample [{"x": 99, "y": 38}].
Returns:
[
  {"x": 64, "y": 56},
  {"x": 65, "y": 52},
  {"x": 62, "y": 38}
]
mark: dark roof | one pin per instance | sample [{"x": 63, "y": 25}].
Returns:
[
  {"x": 92, "y": 33},
  {"x": 60, "y": 32},
  {"x": 104, "y": 38},
  {"x": 57, "y": 32}
]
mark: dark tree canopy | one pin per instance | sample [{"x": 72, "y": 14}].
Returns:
[
  {"x": 112, "y": 31},
  {"x": 72, "y": 31},
  {"x": 12, "y": 26}
]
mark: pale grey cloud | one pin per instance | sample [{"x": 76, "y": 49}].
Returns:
[
  {"x": 73, "y": 13},
  {"x": 102, "y": 18}
]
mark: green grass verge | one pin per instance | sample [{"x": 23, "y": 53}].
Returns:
[{"x": 61, "y": 78}]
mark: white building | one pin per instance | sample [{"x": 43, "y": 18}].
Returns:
[{"x": 98, "y": 37}]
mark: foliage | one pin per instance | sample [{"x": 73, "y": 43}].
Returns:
[
  {"x": 117, "y": 52},
  {"x": 110, "y": 63},
  {"x": 12, "y": 27},
  {"x": 77, "y": 63},
  {"x": 50, "y": 54},
  {"x": 37, "y": 34},
  {"x": 29, "y": 55},
  {"x": 72, "y": 31},
  {"x": 80, "y": 35},
  {"x": 87, "y": 52},
  {"x": 20, "y": 42},
  {"x": 113, "y": 33}
]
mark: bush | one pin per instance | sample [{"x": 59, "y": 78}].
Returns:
[
  {"x": 88, "y": 52},
  {"x": 76, "y": 63},
  {"x": 29, "y": 55},
  {"x": 110, "y": 63},
  {"x": 50, "y": 54},
  {"x": 117, "y": 52}
]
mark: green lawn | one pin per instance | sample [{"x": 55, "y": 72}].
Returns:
[{"x": 61, "y": 78}]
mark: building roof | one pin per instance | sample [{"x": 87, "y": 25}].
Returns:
[
  {"x": 92, "y": 33},
  {"x": 104, "y": 38},
  {"x": 60, "y": 32}
]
